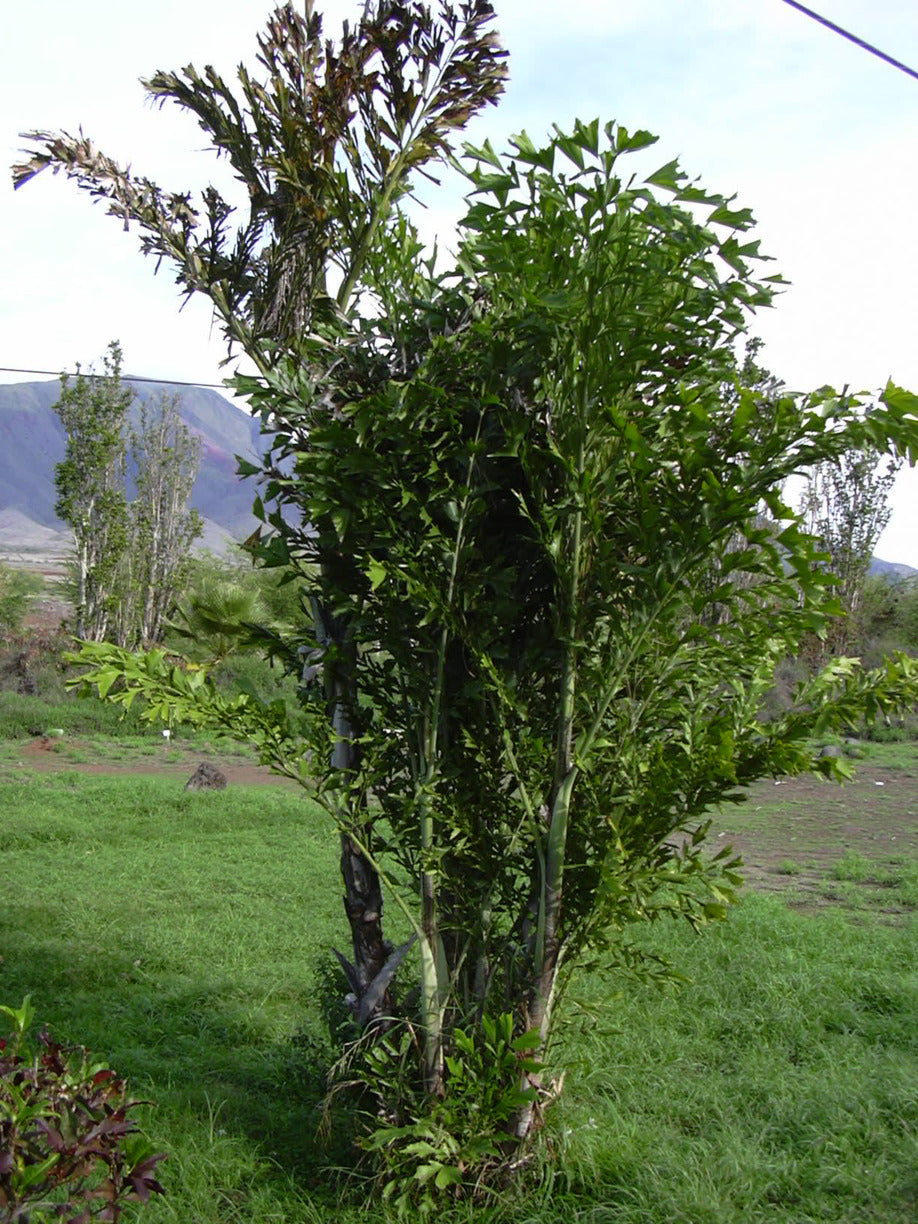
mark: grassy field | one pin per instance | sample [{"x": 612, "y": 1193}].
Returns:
[{"x": 185, "y": 939}]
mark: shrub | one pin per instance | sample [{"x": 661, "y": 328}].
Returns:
[
  {"x": 16, "y": 590},
  {"x": 854, "y": 867},
  {"x": 893, "y": 730},
  {"x": 456, "y": 1146},
  {"x": 249, "y": 673},
  {"x": 67, "y": 1145},
  {"x": 32, "y": 663},
  {"x": 22, "y": 717}
]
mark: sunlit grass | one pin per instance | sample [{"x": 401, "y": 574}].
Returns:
[{"x": 780, "y": 1085}]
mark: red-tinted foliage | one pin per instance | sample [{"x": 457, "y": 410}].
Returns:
[{"x": 67, "y": 1144}]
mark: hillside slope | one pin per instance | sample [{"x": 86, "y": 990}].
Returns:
[{"x": 32, "y": 441}]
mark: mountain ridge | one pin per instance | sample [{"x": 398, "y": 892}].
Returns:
[{"x": 33, "y": 441}]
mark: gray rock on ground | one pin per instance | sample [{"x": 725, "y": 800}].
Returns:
[{"x": 206, "y": 777}]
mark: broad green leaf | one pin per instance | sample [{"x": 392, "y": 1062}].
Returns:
[{"x": 668, "y": 176}]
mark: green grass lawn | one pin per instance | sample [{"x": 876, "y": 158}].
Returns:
[
  {"x": 185, "y": 938},
  {"x": 90, "y": 730}
]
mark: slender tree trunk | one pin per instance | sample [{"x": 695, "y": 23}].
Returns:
[
  {"x": 547, "y": 958},
  {"x": 431, "y": 951},
  {"x": 82, "y": 571}
]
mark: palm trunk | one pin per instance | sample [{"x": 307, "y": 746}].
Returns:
[{"x": 363, "y": 901}]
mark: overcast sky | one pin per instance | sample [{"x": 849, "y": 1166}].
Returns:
[{"x": 814, "y": 134}]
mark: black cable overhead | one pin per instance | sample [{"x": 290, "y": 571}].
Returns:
[{"x": 858, "y": 42}]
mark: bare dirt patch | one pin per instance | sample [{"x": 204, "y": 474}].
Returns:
[
  {"x": 46, "y": 755},
  {"x": 797, "y": 834},
  {"x": 47, "y": 613}
]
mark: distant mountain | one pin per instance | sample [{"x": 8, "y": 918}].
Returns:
[
  {"x": 32, "y": 441},
  {"x": 890, "y": 569}
]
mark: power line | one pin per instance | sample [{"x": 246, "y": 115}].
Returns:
[
  {"x": 168, "y": 382},
  {"x": 859, "y": 42}
]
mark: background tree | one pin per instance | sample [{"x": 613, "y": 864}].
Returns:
[
  {"x": 162, "y": 526},
  {"x": 132, "y": 557},
  {"x": 90, "y": 483},
  {"x": 846, "y": 504},
  {"x": 17, "y": 589}
]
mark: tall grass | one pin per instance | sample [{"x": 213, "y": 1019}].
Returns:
[
  {"x": 780, "y": 1085},
  {"x": 23, "y": 716},
  {"x": 185, "y": 938}
]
